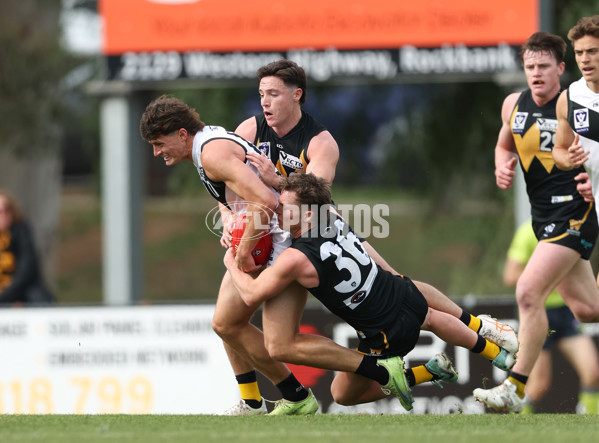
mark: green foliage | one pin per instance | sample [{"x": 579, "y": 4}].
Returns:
[{"x": 31, "y": 67}]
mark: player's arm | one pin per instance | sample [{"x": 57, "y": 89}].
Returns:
[
  {"x": 247, "y": 129},
  {"x": 567, "y": 151},
  {"x": 323, "y": 155},
  {"x": 506, "y": 154},
  {"x": 290, "y": 266},
  {"x": 224, "y": 160}
]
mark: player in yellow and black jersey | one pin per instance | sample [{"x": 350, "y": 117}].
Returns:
[{"x": 565, "y": 225}]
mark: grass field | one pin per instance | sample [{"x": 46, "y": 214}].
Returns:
[{"x": 491, "y": 428}]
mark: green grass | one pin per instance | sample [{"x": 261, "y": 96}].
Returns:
[{"x": 489, "y": 428}]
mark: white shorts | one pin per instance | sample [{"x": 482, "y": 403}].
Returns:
[{"x": 281, "y": 240}]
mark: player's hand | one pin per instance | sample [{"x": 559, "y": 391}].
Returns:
[
  {"x": 505, "y": 174},
  {"x": 228, "y": 223},
  {"x": 265, "y": 168},
  {"x": 229, "y": 259},
  {"x": 576, "y": 154},
  {"x": 584, "y": 187},
  {"x": 246, "y": 262}
]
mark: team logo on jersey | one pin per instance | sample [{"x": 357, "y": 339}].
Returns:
[
  {"x": 264, "y": 147},
  {"x": 581, "y": 120},
  {"x": 290, "y": 161},
  {"x": 359, "y": 297},
  {"x": 519, "y": 122},
  {"x": 546, "y": 124}
]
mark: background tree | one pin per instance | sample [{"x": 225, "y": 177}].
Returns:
[{"x": 32, "y": 65}]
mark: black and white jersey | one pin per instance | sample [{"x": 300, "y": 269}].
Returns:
[
  {"x": 218, "y": 190},
  {"x": 583, "y": 116}
]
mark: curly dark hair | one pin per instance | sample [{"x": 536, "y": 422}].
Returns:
[
  {"x": 584, "y": 26},
  {"x": 168, "y": 114}
]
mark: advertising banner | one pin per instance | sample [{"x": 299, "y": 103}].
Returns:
[
  {"x": 262, "y": 25},
  {"x": 162, "y": 40},
  {"x": 167, "y": 360},
  {"x": 101, "y": 360}
]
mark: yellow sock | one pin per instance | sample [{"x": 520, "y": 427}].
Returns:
[
  {"x": 421, "y": 374},
  {"x": 491, "y": 350},
  {"x": 519, "y": 386},
  {"x": 475, "y": 323},
  {"x": 590, "y": 400},
  {"x": 250, "y": 391}
]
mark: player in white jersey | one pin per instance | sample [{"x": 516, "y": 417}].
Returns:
[
  {"x": 577, "y": 137},
  {"x": 177, "y": 134}
]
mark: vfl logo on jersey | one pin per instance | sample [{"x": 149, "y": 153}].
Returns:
[
  {"x": 264, "y": 147},
  {"x": 519, "y": 122},
  {"x": 581, "y": 120},
  {"x": 290, "y": 161}
]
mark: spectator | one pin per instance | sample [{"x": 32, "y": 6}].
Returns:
[{"x": 20, "y": 277}]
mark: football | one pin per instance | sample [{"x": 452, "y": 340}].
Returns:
[{"x": 261, "y": 251}]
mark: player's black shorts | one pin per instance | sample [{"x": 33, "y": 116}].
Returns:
[
  {"x": 562, "y": 324},
  {"x": 403, "y": 326},
  {"x": 578, "y": 233}
]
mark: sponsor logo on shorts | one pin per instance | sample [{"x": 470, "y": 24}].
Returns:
[
  {"x": 561, "y": 198},
  {"x": 576, "y": 224},
  {"x": 549, "y": 229},
  {"x": 586, "y": 244}
]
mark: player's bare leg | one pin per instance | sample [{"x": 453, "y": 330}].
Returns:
[
  {"x": 244, "y": 344},
  {"x": 580, "y": 293},
  {"x": 549, "y": 265},
  {"x": 281, "y": 318},
  {"x": 283, "y": 314},
  {"x": 231, "y": 322}
]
